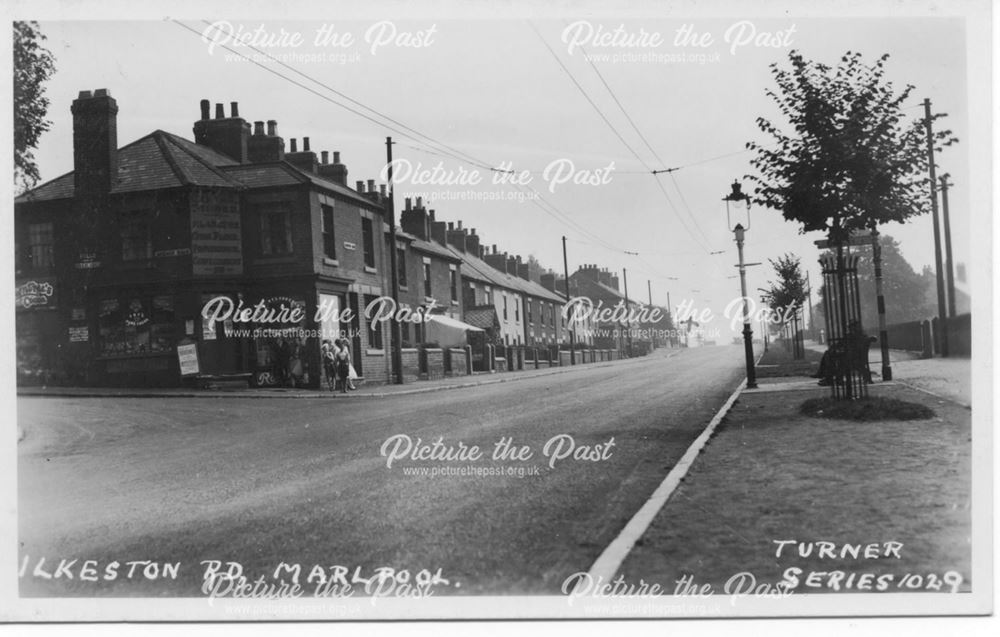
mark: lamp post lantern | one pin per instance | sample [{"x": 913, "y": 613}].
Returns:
[{"x": 732, "y": 202}]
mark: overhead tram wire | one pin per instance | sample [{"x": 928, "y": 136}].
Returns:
[
  {"x": 327, "y": 98},
  {"x": 468, "y": 157},
  {"x": 625, "y": 143},
  {"x": 450, "y": 153}
]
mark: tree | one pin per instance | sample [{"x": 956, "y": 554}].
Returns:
[
  {"x": 789, "y": 292},
  {"x": 852, "y": 161},
  {"x": 906, "y": 291},
  {"x": 33, "y": 65}
]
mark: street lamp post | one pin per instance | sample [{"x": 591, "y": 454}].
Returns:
[{"x": 731, "y": 200}]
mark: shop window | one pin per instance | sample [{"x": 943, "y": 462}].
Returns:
[
  {"x": 136, "y": 325},
  {"x": 368, "y": 241},
  {"x": 137, "y": 237},
  {"x": 329, "y": 239},
  {"x": 275, "y": 232},
  {"x": 40, "y": 245}
]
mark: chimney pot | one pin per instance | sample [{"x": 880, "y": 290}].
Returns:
[
  {"x": 336, "y": 156},
  {"x": 272, "y": 127},
  {"x": 381, "y": 189},
  {"x": 359, "y": 186},
  {"x": 220, "y": 112},
  {"x": 420, "y": 202},
  {"x": 206, "y": 108},
  {"x": 234, "y": 109},
  {"x": 305, "y": 144},
  {"x": 459, "y": 224},
  {"x": 472, "y": 232},
  {"x": 258, "y": 128},
  {"x": 408, "y": 203},
  {"x": 451, "y": 225},
  {"x": 294, "y": 145},
  {"x": 371, "y": 185},
  {"x": 324, "y": 156},
  {"x": 432, "y": 215},
  {"x": 494, "y": 248}
]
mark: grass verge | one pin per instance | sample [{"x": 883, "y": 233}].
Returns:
[{"x": 871, "y": 409}]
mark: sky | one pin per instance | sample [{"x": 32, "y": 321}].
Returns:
[{"x": 514, "y": 93}]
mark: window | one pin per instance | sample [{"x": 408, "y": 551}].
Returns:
[
  {"x": 375, "y": 327},
  {"x": 531, "y": 314},
  {"x": 275, "y": 232},
  {"x": 40, "y": 245},
  {"x": 136, "y": 324},
  {"x": 488, "y": 300},
  {"x": 517, "y": 309},
  {"x": 368, "y": 235},
  {"x": 427, "y": 277},
  {"x": 404, "y": 331},
  {"x": 137, "y": 238},
  {"x": 505, "y": 307},
  {"x": 329, "y": 239},
  {"x": 454, "y": 284},
  {"x": 401, "y": 266}
]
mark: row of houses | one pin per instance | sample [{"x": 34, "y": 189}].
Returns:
[{"x": 117, "y": 261}]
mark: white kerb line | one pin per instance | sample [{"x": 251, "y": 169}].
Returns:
[{"x": 614, "y": 555}]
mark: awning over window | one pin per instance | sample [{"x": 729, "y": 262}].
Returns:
[{"x": 446, "y": 331}]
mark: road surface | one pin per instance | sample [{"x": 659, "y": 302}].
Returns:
[{"x": 260, "y": 482}]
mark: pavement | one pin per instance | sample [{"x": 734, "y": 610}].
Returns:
[
  {"x": 769, "y": 475},
  {"x": 477, "y": 379}
]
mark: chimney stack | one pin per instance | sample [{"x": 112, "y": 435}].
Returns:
[
  {"x": 95, "y": 143},
  {"x": 226, "y": 135},
  {"x": 336, "y": 172},
  {"x": 263, "y": 147}
]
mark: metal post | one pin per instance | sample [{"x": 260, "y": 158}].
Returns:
[
  {"x": 747, "y": 331},
  {"x": 809, "y": 291},
  {"x": 883, "y": 334},
  {"x": 942, "y": 314},
  {"x": 572, "y": 330},
  {"x": 396, "y": 336}
]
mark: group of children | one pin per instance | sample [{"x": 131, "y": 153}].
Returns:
[{"x": 340, "y": 372}]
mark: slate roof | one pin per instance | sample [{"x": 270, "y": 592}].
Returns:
[
  {"x": 163, "y": 160},
  {"x": 157, "y": 161},
  {"x": 429, "y": 247},
  {"x": 477, "y": 269}
]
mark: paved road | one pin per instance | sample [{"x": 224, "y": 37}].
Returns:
[{"x": 303, "y": 481}]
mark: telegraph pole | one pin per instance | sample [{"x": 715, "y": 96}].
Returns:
[
  {"x": 628, "y": 323},
  {"x": 395, "y": 334},
  {"x": 572, "y": 330},
  {"x": 942, "y": 314},
  {"x": 949, "y": 264},
  {"x": 649, "y": 289},
  {"x": 674, "y": 340}
]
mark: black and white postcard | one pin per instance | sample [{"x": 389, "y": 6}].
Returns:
[{"x": 332, "y": 311}]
